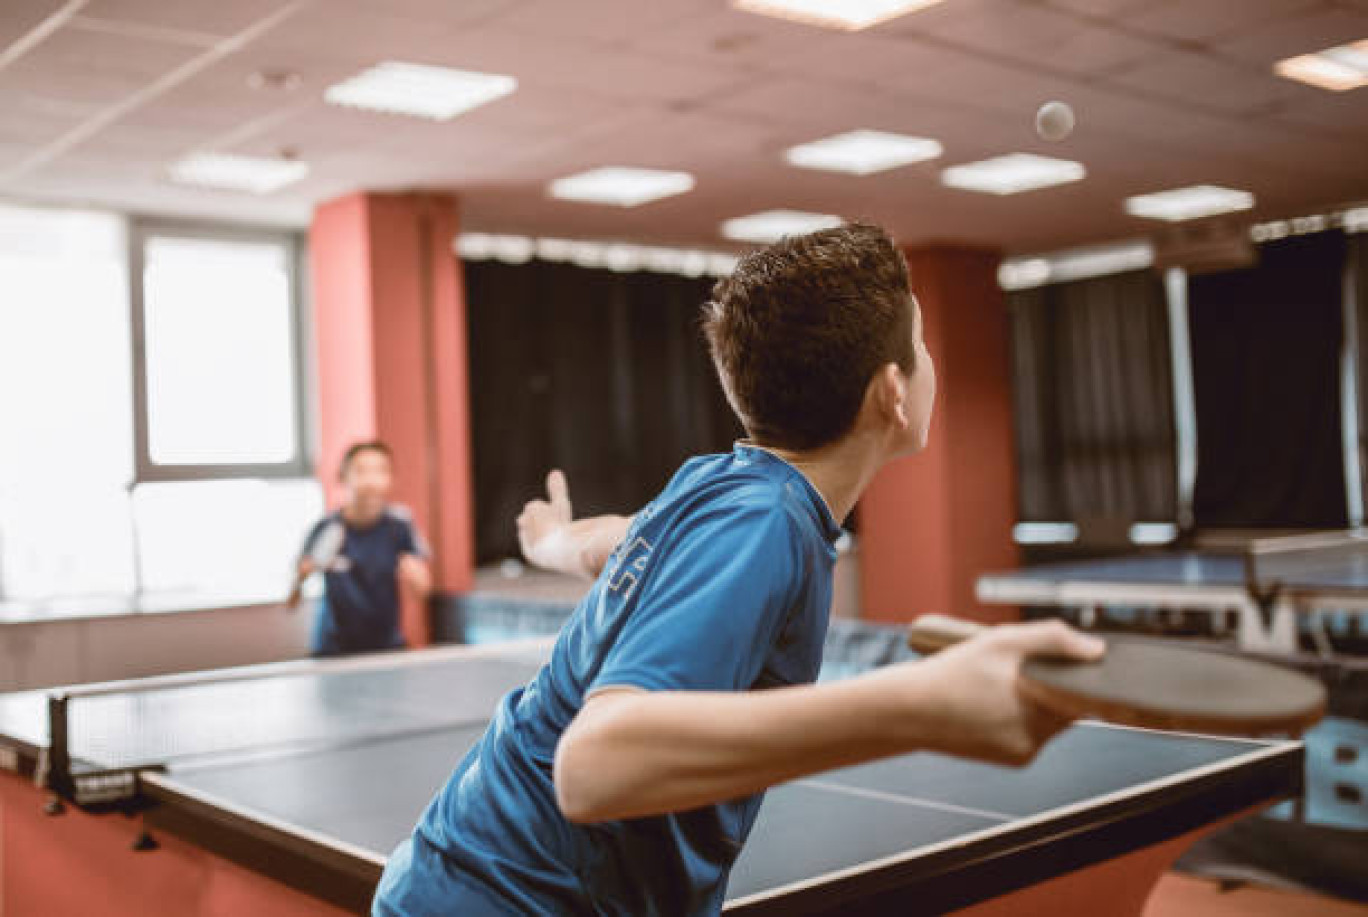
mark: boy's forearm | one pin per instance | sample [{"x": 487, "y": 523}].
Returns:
[
  {"x": 582, "y": 547},
  {"x": 634, "y": 753}
]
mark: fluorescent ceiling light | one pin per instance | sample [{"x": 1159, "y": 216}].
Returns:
[
  {"x": 1013, "y": 173},
  {"x": 228, "y": 172},
  {"x": 1188, "y": 203},
  {"x": 439, "y": 93},
  {"x": 848, "y": 15},
  {"x": 621, "y": 186},
  {"x": 773, "y": 225},
  {"x": 863, "y": 152},
  {"x": 1337, "y": 69}
]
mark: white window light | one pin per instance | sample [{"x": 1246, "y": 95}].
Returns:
[
  {"x": 1153, "y": 533},
  {"x": 228, "y": 172},
  {"x": 1045, "y": 533},
  {"x": 1023, "y": 273},
  {"x": 1337, "y": 69},
  {"x": 1189, "y": 203},
  {"x": 1075, "y": 264},
  {"x": 863, "y": 152},
  {"x": 1012, "y": 174},
  {"x": 420, "y": 90},
  {"x": 617, "y": 256},
  {"x": 847, "y": 15},
  {"x": 773, "y": 225},
  {"x": 621, "y": 186}
]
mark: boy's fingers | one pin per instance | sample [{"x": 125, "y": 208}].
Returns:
[
  {"x": 556, "y": 487},
  {"x": 1054, "y": 638}
]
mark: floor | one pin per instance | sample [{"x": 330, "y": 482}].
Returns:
[{"x": 1184, "y": 896}]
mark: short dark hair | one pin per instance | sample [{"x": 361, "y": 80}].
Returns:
[
  {"x": 800, "y": 327},
  {"x": 355, "y": 449}
]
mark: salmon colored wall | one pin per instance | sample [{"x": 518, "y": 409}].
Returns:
[
  {"x": 453, "y": 532},
  {"x": 77, "y": 865},
  {"x": 390, "y": 319},
  {"x": 929, "y": 524},
  {"x": 339, "y": 266}
]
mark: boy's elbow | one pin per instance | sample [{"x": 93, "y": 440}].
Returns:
[
  {"x": 591, "y": 785},
  {"x": 580, "y": 800}
]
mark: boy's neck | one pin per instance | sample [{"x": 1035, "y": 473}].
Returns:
[
  {"x": 359, "y": 516},
  {"x": 839, "y": 472}
]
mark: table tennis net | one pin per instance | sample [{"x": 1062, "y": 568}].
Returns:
[
  {"x": 185, "y": 723},
  {"x": 1320, "y": 560}
]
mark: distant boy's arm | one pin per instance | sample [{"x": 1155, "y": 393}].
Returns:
[
  {"x": 303, "y": 570},
  {"x": 416, "y": 574},
  {"x": 551, "y": 538},
  {"x": 632, "y": 753}
]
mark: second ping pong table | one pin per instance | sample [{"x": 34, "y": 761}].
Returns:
[
  {"x": 1269, "y": 583},
  {"x": 309, "y": 773}
]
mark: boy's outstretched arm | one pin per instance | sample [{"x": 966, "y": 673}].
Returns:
[
  {"x": 551, "y": 538},
  {"x": 632, "y": 753}
]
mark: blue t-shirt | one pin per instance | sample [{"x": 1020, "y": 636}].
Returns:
[
  {"x": 723, "y": 583},
  {"x": 359, "y": 610}
]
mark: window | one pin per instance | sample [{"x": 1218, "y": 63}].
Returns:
[
  {"x": 152, "y": 448},
  {"x": 235, "y": 539},
  {"x": 66, "y": 421},
  {"x": 219, "y": 369}
]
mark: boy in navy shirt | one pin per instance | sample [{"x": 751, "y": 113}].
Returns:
[
  {"x": 624, "y": 778},
  {"x": 364, "y": 551}
]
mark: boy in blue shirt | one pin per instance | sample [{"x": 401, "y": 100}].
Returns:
[
  {"x": 364, "y": 550},
  {"x": 624, "y": 778}
]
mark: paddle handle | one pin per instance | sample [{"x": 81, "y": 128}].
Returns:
[{"x": 933, "y": 633}]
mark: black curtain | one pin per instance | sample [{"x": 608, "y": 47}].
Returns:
[
  {"x": 1265, "y": 353},
  {"x": 603, "y": 374},
  {"x": 1094, "y": 400},
  {"x": 1358, "y": 266}
]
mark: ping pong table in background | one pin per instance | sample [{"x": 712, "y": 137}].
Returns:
[
  {"x": 1269, "y": 583},
  {"x": 309, "y": 773}
]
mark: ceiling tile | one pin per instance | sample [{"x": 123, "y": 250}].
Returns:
[
  {"x": 1108, "y": 9},
  {"x": 19, "y": 17},
  {"x": 1211, "y": 20},
  {"x": 1204, "y": 82},
  {"x": 1315, "y": 31},
  {"x": 88, "y": 68},
  {"x": 214, "y": 17},
  {"x": 601, "y": 20},
  {"x": 1047, "y": 38}
]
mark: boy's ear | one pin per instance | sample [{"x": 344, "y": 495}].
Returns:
[{"x": 891, "y": 388}]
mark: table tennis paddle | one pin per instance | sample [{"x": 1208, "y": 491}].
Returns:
[
  {"x": 1156, "y": 686},
  {"x": 327, "y": 545},
  {"x": 323, "y": 550}
]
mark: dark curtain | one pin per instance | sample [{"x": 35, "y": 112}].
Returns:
[
  {"x": 603, "y": 374},
  {"x": 1265, "y": 354},
  {"x": 1358, "y": 264},
  {"x": 1094, "y": 400}
]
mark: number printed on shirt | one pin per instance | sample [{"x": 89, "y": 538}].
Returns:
[{"x": 631, "y": 565}]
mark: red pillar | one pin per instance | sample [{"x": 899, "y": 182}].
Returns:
[
  {"x": 389, "y": 320},
  {"x": 931, "y": 523}
]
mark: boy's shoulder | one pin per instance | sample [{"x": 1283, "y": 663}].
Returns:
[
  {"x": 398, "y": 512},
  {"x": 727, "y": 473},
  {"x": 726, "y": 485}
]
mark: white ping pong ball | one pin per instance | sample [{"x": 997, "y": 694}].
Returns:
[{"x": 1054, "y": 121}]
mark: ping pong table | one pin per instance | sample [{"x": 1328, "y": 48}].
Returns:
[
  {"x": 1269, "y": 583},
  {"x": 309, "y": 773}
]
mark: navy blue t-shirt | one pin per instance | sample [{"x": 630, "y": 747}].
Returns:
[
  {"x": 723, "y": 583},
  {"x": 359, "y": 610}
]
